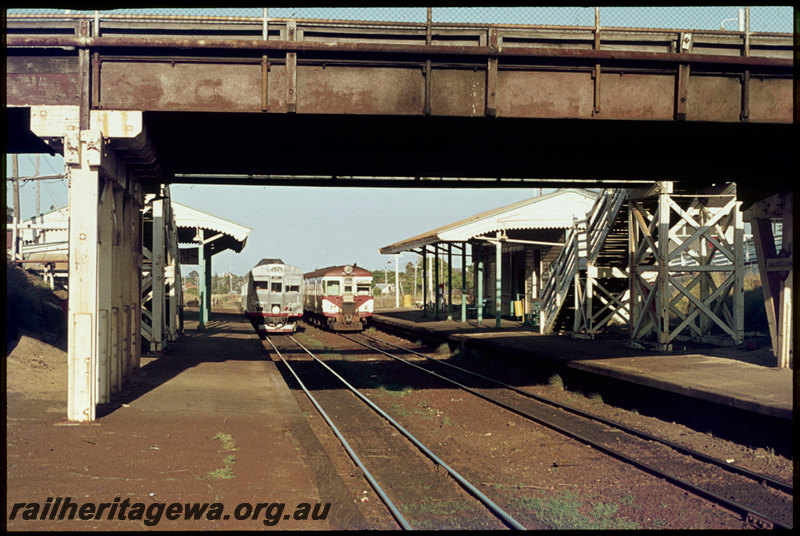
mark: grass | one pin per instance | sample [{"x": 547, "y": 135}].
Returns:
[
  {"x": 226, "y": 472},
  {"x": 556, "y": 381},
  {"x": 567, "y": 511}
]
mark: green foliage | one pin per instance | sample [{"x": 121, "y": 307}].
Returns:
[
  {"x": 226, "y": 472},
  {"x": 566, "y": 511}
]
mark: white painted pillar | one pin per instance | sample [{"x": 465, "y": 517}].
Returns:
[
  {"x": 104, "y": 291},
  {"x": 82, "y": 363},
  {"x": 157, "y": 303},
  {"x": 662, "y": 296}
]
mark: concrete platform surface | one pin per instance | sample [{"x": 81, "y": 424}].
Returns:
[
  {"x": 210, "y": 421},
  {"x": 736, "y": 383}
]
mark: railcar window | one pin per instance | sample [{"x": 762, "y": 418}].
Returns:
[
  {"x": 292, "y": 288},
  {"x": 276, "y": 287},
  {"x": 362, "y": 289},
  {"x": 348, "y": 289},
  {"x": 334, "y": 289},
  {"x": 261, "y": 285}
]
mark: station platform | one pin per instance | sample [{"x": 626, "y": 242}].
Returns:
[
  {"x": 210, "y": 420},
  {"x": 697, "y": 374}
]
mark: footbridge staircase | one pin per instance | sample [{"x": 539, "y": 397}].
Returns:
[
  {"x": 664, "y": 263},
  {"x": 588, "y": 280}
]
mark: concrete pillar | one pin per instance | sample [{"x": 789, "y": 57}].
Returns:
[
  {"x": 104, "y": 291},
  {"x": 82, "y": 358}
]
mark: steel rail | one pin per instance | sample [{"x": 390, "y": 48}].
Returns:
[
  {"x": 779, "y": 484},
  {"x": 256, "y": 45},
  {"x": 513, "y": 523},
  {"x": 702, "y": 492},
  {"x": 385, "y": 498}
]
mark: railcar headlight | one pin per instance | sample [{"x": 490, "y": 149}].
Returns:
[{"x": 276, "y": 309}]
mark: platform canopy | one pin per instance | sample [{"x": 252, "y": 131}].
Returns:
[
  {"x": 220, "y": 234},
  {"x": 550, "y": 211}
]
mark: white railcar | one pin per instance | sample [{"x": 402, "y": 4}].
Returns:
[{"x": 272, "y": 296}]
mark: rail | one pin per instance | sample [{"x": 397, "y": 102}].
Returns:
[
  {"x": 378, "y": 489},
  {"x": 749, "y": 512},
  {"x": 494, "y": 508}
]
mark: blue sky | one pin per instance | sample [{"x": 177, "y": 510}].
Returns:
[{"x": 309, "y": 227}]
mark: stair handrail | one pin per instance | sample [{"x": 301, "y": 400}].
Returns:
[
  {"x": 601, "y": 217},
  {"x": 562, "y": 273},
  {"x": 592, "y": 231}
]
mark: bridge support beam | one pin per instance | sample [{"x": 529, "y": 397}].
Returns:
[
  {"x": 687, "y": 268},
  {"x": 104, "y": 202}
]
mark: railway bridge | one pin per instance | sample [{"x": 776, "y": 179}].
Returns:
[{"x": 136, "y": 104}]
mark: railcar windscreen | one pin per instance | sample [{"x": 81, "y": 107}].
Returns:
[{"x": 332, "y": 288}]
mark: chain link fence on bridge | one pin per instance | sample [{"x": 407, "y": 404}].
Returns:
[{"x": 729, "y": 18}]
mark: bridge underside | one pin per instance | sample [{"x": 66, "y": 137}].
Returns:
[{"x": 382, "y": 151}]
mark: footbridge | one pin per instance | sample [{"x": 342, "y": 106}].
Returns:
[{"x": 135, "y": 104}]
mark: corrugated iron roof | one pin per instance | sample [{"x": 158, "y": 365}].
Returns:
[
  {"x": 555, "y": 210},
  {"x": 191, "y": 218}
]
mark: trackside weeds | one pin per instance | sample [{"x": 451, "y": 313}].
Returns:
[{"x": 59, "y": 508}]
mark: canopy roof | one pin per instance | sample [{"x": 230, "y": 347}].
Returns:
[
  {"x": 189, "y": 220},
  {"x": 550, "y": 211}
]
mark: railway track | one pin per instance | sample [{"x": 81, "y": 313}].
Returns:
[
  {"x": 394, "y": 459},
  {"x": 762, "y": 501}
]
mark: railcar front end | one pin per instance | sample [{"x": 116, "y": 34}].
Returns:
[
  {"x": 338, "y": 298},
  {"x": 274, "y": 299}
]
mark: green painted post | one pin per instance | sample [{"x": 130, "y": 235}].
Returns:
[
  {"x": 479, "y": 301},
  {"x": 463, "y": 281},
  {"x": 424, "y": 280},
  {"x": 436, "y": 282},
  {"x": 498, "y": 278},
  {"x": 449, "y": 281}
]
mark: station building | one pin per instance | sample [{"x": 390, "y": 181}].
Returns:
[{"x": 522, "y": 239}]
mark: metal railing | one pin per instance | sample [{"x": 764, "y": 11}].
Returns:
[
  {"x": 583, "y": 243},
  {"x": 779, "y": 19}
]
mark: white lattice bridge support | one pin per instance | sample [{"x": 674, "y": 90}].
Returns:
[
  {"x": 105, "y": 199},
  {"x": 775, "y": 268},
  {"x": 670, "y": 298}
]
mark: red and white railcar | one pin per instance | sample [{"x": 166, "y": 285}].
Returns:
[{"x": 338, "y": 297}]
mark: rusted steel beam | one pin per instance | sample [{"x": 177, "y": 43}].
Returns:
[{"x": 741, "y": 62}]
